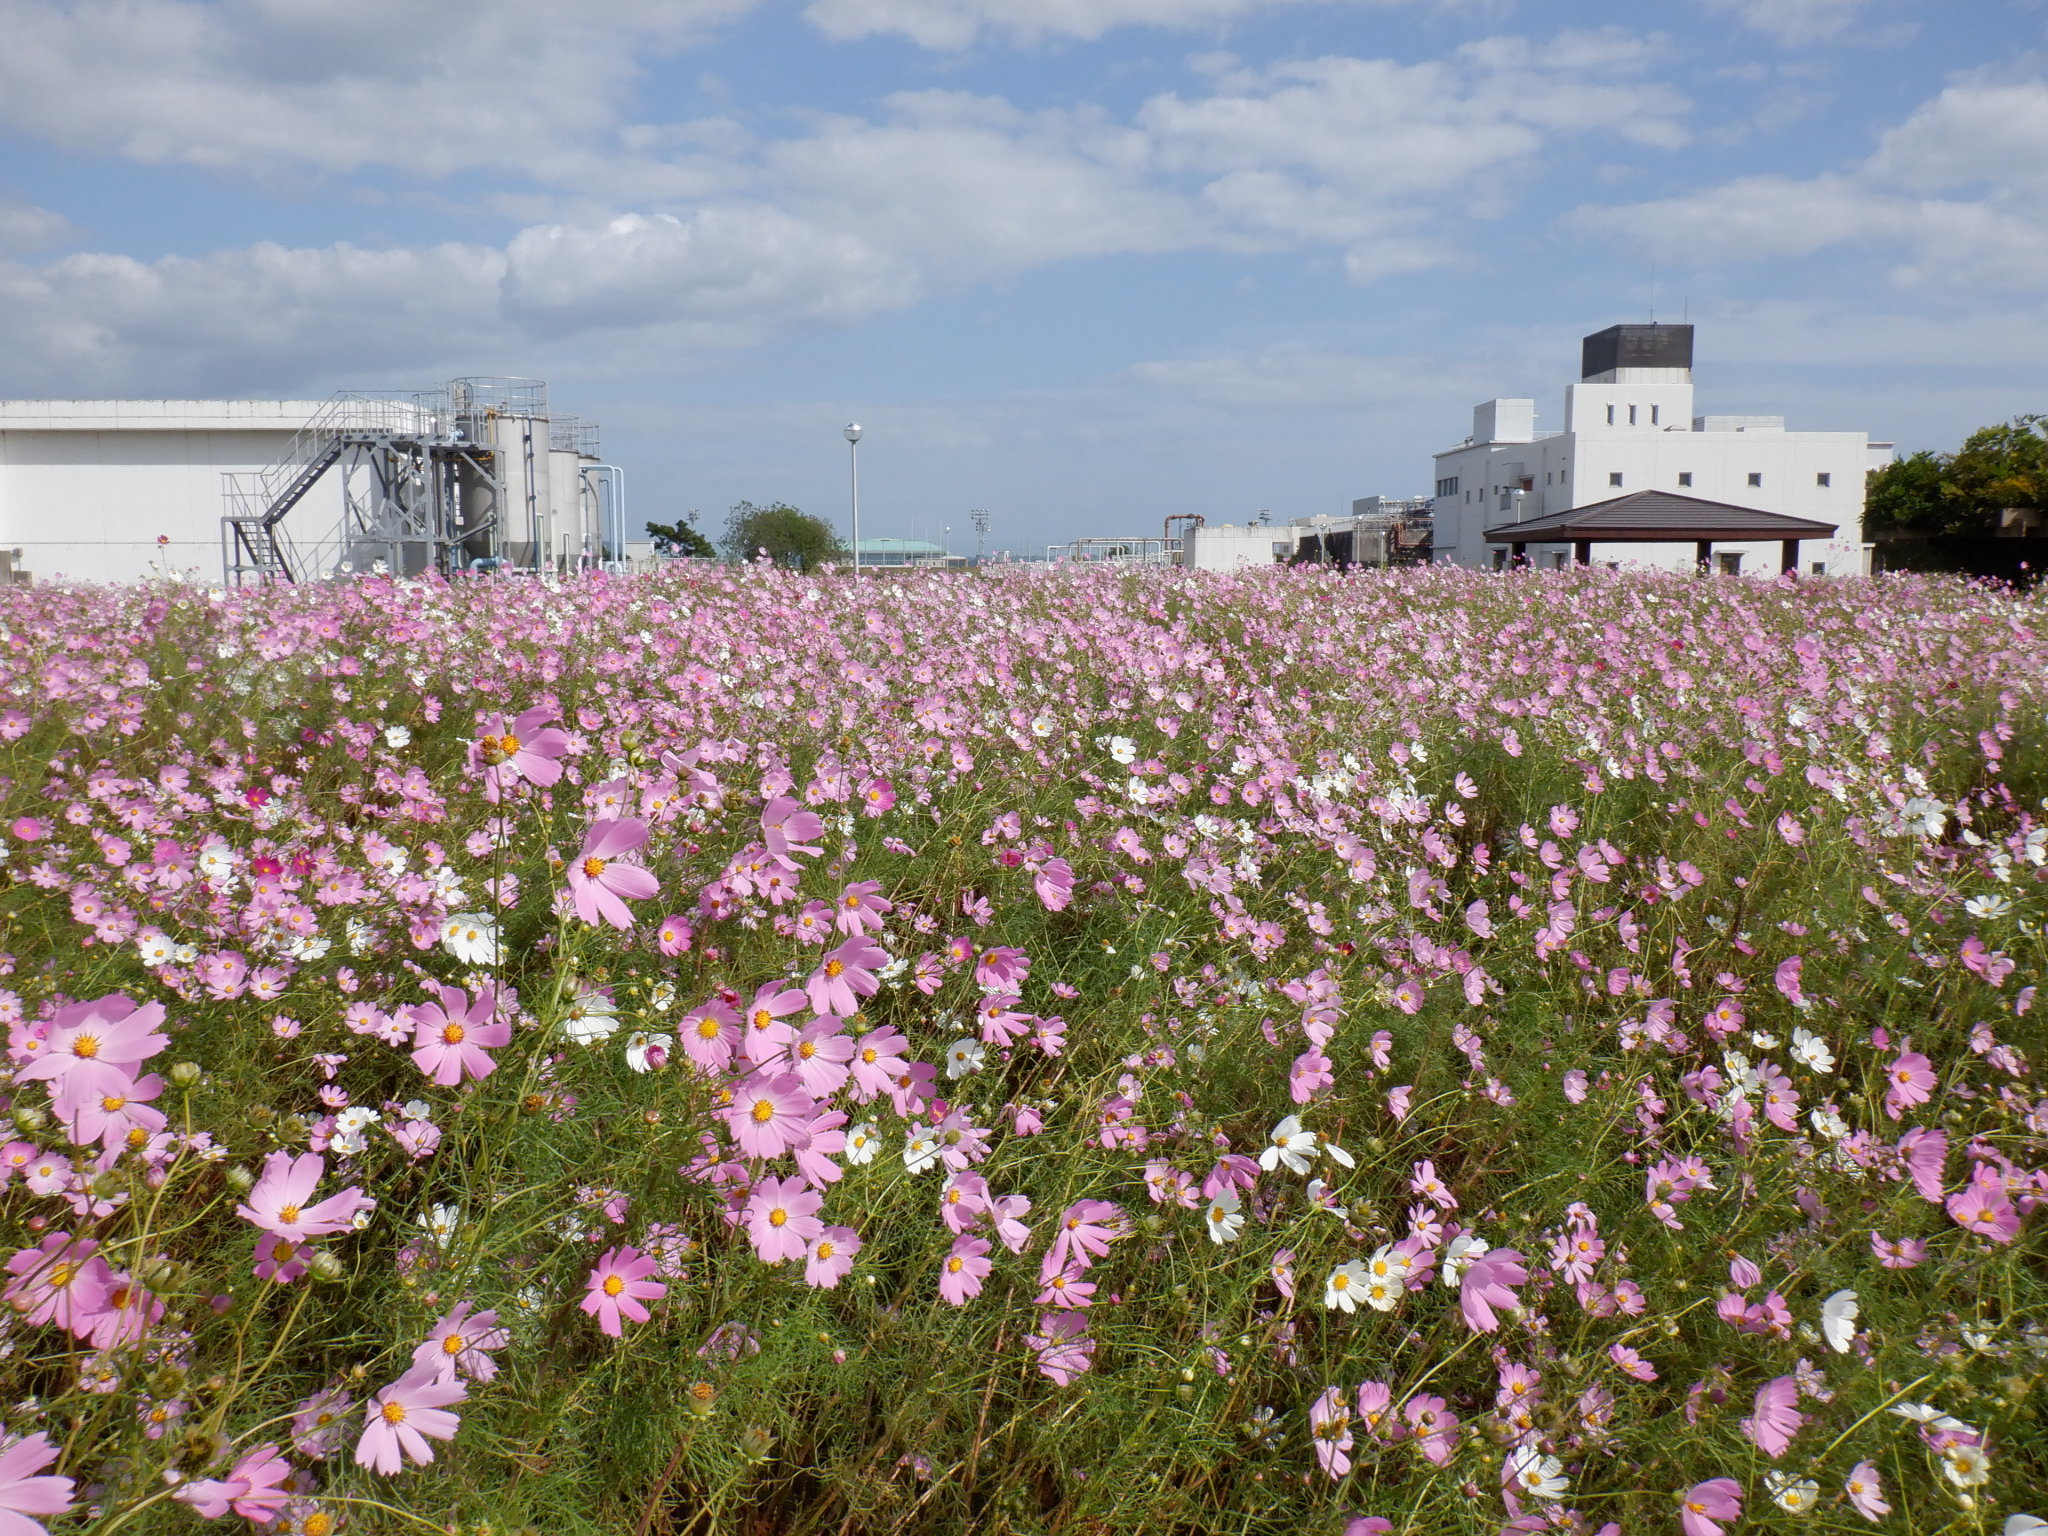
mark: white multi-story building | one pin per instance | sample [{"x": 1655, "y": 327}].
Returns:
[{"x": 1629, "y": 426}]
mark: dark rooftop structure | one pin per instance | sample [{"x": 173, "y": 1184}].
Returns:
[
  {"x": 1660, "y": 517},
  {"x": 1635, "y": 346}
]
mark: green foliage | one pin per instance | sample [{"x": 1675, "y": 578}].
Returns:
[
  {"x": 1964, "y": 493},
  {"x": 790, "y": 537},
  {"x": 681, "y": 537}
]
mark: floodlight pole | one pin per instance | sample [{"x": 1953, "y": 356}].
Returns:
[{"x": 853, "y": 459}]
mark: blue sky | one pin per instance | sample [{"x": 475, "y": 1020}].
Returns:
[{"x": 1083, "y": 263}]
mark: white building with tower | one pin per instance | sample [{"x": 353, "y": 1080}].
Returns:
[
  {"x": 476, "y": 473},
  {"x": 1630, "y": 428}
]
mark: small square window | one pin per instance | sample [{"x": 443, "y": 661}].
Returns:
[
  {"x": 1631, "y": 415},
  {"x": 1820, "y": 567},
  {"x": 1685, "y": 477},
  {"x": 1655, "y": 414},
  {"x": 1731, "y": 565},
  {"x": 1823, "y": 479},
  {"x": 1614, "y": 478},
  {"x": 1755, "y": 478},
  {"x": 1610, "y": 415}
]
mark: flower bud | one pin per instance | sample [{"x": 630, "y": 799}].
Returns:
[
  {"x": 241, "y": 1178},
  {"x": 184, "y": 1073},
  {"x": 324, "y": 1266},
  {"x": 28, "y": 1119},
  {"x": 702, "y": 1397}
]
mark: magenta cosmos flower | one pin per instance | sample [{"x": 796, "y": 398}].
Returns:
[
  {"x": 1719, "y": 1498},
  {"x": 405, "y": 1415},
  {"x": 1484, "y": 1286},
  {"x": 1982, "y": 1209},
  {"x": 253, "y": 1489},
  {"x": 22, "y": 1493},
  {"x": 1776, "y": 1416},
  {"x": 523, "y": 749},
  {"x": 462, "y": 1342},
  {"x": 450, "y": 1037},
  {"x": 598, "y": 879},
  {"x": 845, "y": 976},
  {"x": 63, "y": 1280},
  {"x": 710, "y": 1035},
  {"x": 618, "y": 1286},
  {"x": 279, "y": 1202},
  {"x": 782, "y": 1218}
]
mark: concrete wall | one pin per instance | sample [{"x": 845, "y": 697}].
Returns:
[
  {"x": 87, "y": 487},
  {"x": 1231, "y": 547}
]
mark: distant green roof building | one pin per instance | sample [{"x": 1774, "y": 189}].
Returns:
[{"x": 900, "y": 552}]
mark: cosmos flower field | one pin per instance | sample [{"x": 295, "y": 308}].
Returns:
[{"x": 1032, "y": 1051}]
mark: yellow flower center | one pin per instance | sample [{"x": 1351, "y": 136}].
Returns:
[
  {"x": 807, "y": 1049},
  {"x": 763, "y": 1018},
  {"x": 834, "y": 968},
  {"x": 281, "y": 1252},
  {"x": 955, "y": 1264},
  {"x": 454, "y": 1344},
  {"x": 287, "y": 1214},
  {"x": 394, "y": 1413},
  {"x": 86, "y": 1047},
  {"x": 319, "y": 1523},
  {"x": 707, "y": 1028},
  {"x": 764, "y": 1111},
  {"x": 613, "y": 1285},
  {"x": 453, "y": 1034},
  {"x": 1340, "y": 1282},
  {"x": 867, "y": 1055},
  {"x": 777, "y": 1217},
  {"x": 593, "y": 867},
  {"x": 826, "y": 1248},
  {"x": 111, "y": 1104}
]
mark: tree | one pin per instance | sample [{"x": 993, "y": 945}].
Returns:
[
  {"x": 1963, "y": 494},
  {"x": 790, "y": 537},
  {"x": 682, "y": 538}
]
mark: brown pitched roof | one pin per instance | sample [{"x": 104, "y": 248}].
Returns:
[{"x": 1658, "y": 517}]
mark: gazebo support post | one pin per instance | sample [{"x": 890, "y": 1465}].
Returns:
[
  {"x": 1703, "y": 556},
  {"x": 1788, "y": 557},
  {"x": 1582, "y": 552}
]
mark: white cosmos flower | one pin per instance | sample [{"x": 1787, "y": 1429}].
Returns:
[
  {"x": 156, "y": 948},
  {"x": 1381, "y": 1294},
  {"x": 592, "y": 1017},
  {"x": 965, "y": 1055},
  {"x": 1320, "y": 1198},
  {"x": 471, "y": 937},
  {"x": 1826, "y": 1122},
  {"x": 1291, "y": 1145},
  {"x": 861, "y": 1144},
  {"x": 440, "y": 1222},
  {"x": 920, "y": 1150},
  {"x": 1123, "y": 749},
  {"x": 1226, "y": 1218},
  {"x": 1838, "y": 1320},
  {"x": 1335, "y": 1153},
  {"x": 396, "y": 736},
  {"x": 2025, "y": 1525},
  {"x": 1459, "y": 1252},
  {"x": 1988, "y": 906},
  {"x": 1794, "y": 1495},
  {"x": 1346, "y": 1286},
  {"x": 662, "y": 996},
  {"x": 1809, "y": 1048},
  {"x": 1966, "y": 1465},
  {"x": 648, "y": 1053},
  {"x": 1536, "y": 1474}
]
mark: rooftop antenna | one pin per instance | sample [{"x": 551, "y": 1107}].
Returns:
[{"x": 1653, "y": 293}]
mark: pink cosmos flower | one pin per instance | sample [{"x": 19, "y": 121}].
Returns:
[
  {"x": 861, "y": 908},
  {"x": 710, "y": 1036},
  {"x": 1912, "y": 1082},
  {"x": 1006, "y": 1214},
  {"x": 1063, "y": 1346},
  {"x": 280, "y": 1260},
  {"x": 22, "y": 1493},
  {"x": 788, "y": 828},
  {"x": 524, "y": 749},
  {"x": 1776, "y": 1416},
  {"x": 769, "y": 1114},
  {"x": 63, "y": 1280},
  {"x": 765, "y": 1037},
  {"x": 1926, "y": 1153},
  {"x": 452, "y": 1038},
  {"x": 405, "y": 1415},
  {"x": 876, "y": 1062},
  {"x": 278, "y": 1202},
  {"x": 1066, "y": 1289},
  {"x": 600, "y": 882},
  {"x": 1718, "y": 1498},
  {"x": 1085, "y": 1232},
  {"x": 1898, "y": 1252},
  {"x": 1329, "y": 1422},
  {"x": 1484, "y": 1286},
  {"x": 782, "y": 1218},
  {"x": 93, "y": 1049},
  {"x": 317, "y": 1422},
  {"x": 963, "y": 1270},
  {"x": 113, "y": 1118},
  {"x": 820, "y": 1054},
  {"x": 254, "y": 1488},
  {"x": 674, "y": 935},
  {"x": 1631, "y": 1363},
  {"x": 462, "y": 1342},
  {"x": 1435, "y": 1426},
  {"x": 1982, "y": 1209},
  {"x": 845, "y": 976},
  {"x": 618, "y": 1286},
  {"x": 877, "y": 797},
  {"x": 1054, "y": 884},
  {"x": 830, "y": 1258},
  {"x": 1866, "y": 1492}
]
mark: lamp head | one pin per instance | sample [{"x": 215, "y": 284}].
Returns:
[{"x": 853, "y": 432}]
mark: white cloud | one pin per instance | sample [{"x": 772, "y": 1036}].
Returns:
[
  {"x": 25, "y": 227},
  {"x": 1990, "y": 139},
  {"x": 958, "y": 23},
  {"x": 1795, "y": 21},
  {"x": 265, "y": 86}
]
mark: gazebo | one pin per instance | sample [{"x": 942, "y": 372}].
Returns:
[{"x": 1660, "y": 517}]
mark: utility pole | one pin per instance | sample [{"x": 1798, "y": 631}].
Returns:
[{"x": 981, "y": 522}]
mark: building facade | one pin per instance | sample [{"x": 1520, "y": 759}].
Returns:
[{"x": 1629, "y": 425}]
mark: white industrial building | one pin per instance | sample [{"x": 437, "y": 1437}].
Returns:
[
  {"x": 1629, "y": 427},
  {"x": 476, "y": 474}
]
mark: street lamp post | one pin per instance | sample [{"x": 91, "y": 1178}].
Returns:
[
  {"x": 853, "y": 460},
  {"x": 981, "y": 521},
  {"x": 946, "y": 547}
]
